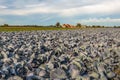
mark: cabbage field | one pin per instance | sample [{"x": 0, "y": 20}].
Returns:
[{"x": 60, "y": 54}]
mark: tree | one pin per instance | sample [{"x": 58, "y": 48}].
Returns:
[
  {"x": 78, "y": 25},
  {"x": 93, "y": 26},
  {"x": 5, "y": 25},
  {"x": 115, "y": 26},
  {"x": 58, "y": 24}
]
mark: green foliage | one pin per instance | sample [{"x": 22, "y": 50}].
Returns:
[
  {"x": 97, "y": 26},
  {"x": 5, "y": 25},
  {"x": 116, "y": 26},
  {"x": 78, "y": 25},
  {"x": 58, "y": 24}
]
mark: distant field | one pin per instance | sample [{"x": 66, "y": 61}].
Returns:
[
  {"x": 10, "y": 29},
  {"x": 33, "y": 28}
]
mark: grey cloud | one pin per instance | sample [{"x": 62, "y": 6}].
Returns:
[{"x": 62, "y": 7}]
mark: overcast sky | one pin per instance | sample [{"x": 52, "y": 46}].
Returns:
[{"x": 47, "y": 12}]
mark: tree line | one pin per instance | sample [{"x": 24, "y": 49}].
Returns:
[{"x": 58, "y": 25}]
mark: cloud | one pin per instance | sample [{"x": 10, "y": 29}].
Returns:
[
  {"x": 2, "y": 7},
  {"x": 66, "y": 8},
  {"x": 65, "y": 11},
  {"x": 101, "y": 21},
  {"x": 29, "y": 9},
  {"x": 105, "y": 7}
]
